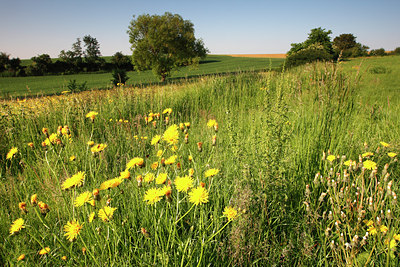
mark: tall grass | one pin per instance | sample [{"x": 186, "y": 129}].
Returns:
[{"x": 273, "y": 129}]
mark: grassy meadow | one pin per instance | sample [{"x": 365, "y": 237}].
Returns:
[
  {"x": 295, "y": 167},
  {"x": 212, "y": 64}
]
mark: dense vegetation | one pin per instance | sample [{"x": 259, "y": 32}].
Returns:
[{"x": 294, "y": 168}]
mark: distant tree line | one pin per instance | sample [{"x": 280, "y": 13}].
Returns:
[
  {"x": 77, "y": 60},
  {"x": 320, "y": 47}
]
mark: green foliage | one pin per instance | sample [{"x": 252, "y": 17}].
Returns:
[
  {"x": 41, "y": 65},
  {"x": 92, "y": 53},
  {"x": 121, "y": 61},
  {"x": 379, "y": 70},
  {"x": 163, "y": 43},
  {"x": 344, "y": 41},
  {"x": 75, "y": 87},
  {"x": 119, "y": 76},
  {"x": 378, "y": 52}
]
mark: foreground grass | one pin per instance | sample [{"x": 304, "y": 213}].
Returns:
[
  {"x": 273, "y": 129},
  {"x": 46, "y": 85}
]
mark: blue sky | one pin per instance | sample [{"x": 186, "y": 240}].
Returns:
[{"x": 29, "y": 28}]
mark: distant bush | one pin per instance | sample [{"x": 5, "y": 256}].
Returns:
[
  {"x": 75, "y": 87},
  {"x": 378, "y": 52},
  {"x": 119, "y": 76},
  {"x": 307, "y": 55}
]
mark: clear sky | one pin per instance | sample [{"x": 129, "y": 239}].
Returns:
[{"x": 33, "y": 27}]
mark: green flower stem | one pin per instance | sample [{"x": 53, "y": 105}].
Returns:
[
  {"x": 218, "y": 231},
  {"x": 185, "y": 214}
]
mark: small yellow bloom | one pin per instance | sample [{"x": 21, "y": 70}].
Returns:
[
  {"x": 72, "y": 158},
  {"x": 392, "y": 154},
  {"x": 161, "y": 178},
  {"x": 211, "y": 123},
  {"x": 106, "y": 213},
  {"x": 22, "y": 206},
  {"x": 111, "y": 183},
  {"x": 92, "y": 115},
  {"x": 367, "y": 154},
  {"x": 159, "y": 153},
  {"x": 369, "y": 164},
  {"x": 154, "y": 165},
  {"x": 396, "y": 237},
  {"x": 98, "y": 148},
  {"x": 12, "y": 152},
  {"x": 72, "y": 230},
  {"x": 211, "y": 172},
  {"x": 21, "y": 257},
  {"x": 155, "y": 140},
  {"x": 171, "y": 135},
  {"x": 34, "y": 200},
  {"x": 331, "y": 158},
  {"x": 64, "y": 258},
  {"x": 44, "y": 251},
  {"x": 384, "y": 144},
  {"x": 183, "y": 184},
  {"x": 167, "y": 110},
  {"x": 171, "y": 160},
  {"x": 153, "y": 195},
  {"x": 90, "y": 143},
  {"x": 135, "y": 162},
  {"x": 16, "y": 226},
  {"x": 372, "y": 230},
  {"x": 198, "y": 195},
  {"x": 350, "y": 162},
  {"x": 74, "y": 181},
  {"x": 85, "y": 197},
  {"x": 91, "y": 216},
  {"x": 230, "y": 213},
  {"x": 125, "y": 174},
  {"x": 383, "y": 228},
  {"x": 149, "y": 177}
]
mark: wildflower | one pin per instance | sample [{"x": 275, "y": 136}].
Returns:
[
  {"x": 44, "y": 251},
  {"x": 161, "y": 178},
  {"x": 383, "y": 228},
  {"x": 166, "y": 120},
  {"x": 91, "y": 216},
  {"x": 12, "y": 152},
  {"x": 53, "y": 138},
  {"x": 64, "y": 258},
  {"x": 75, "y": 181},
  {"x": 134, "y": 163},
  {"x": 144, "y": 232},
  {"x": 154, "y": 165},
  {"x": 34, "y": 200},
  {"x": 125, "y": 174},
  {"x": 44, "y": 208},
  {"x": 187, "y": 124},
  {"x": 372, "y": 230},
  {"x": 392, "y": 154},
  {"x": 96, "y": 194},
  {"x": 45, "y": 132},
  {"x": 153, "y": 195},
  {"x": 72, "y": 230},
  {"x": 85, "y": 197},
  {"x": 190, "y": 158},
  {"x": 72, "y": 158},
  {"x": 200, "y": 146},
  {"x": 106, "y": 213},
  {"x": 183, "y": 183},
  {"x": 171, "y": 160},
  {"x": 230, "y": 213},
  {"x": 139, "y": 180},
  {"x": 167, "y": 110},
  {"x": 211, "y": 172},
  {"x": 396, "y": 237},
  {"x": 198, "y": 195},
  {"x": 171, "y": 135},
  {"x": 367, "y": 154},
  {"x": 65, "y": 130},
  {"x": 155, "y": 140},
  {"x": 214, "y": 140},
  {"x": 211, "y": 123},
  {"x": 111, "y": 183},
  {"x": 191, "y": 172},
  {"x": 21, "y": 257},
  {"x": 384, "y": 144},
  {"x": 186, "y": 138},
  {"x": 92, "y": 115},
  {"x": 83, "y": 250},
  {"x": 350, "y": 163},
  {"x": 90, "y": 143},
  {"x": 159, "y": 153},
  {"x": 98, "y": 148},
  {"x": 30, "y": 144},
  {"x": 149, "y": 177},
  {"x": 22, "y": 206},
  {"x": 216, "y": 127},
  {"x": 16, "y": 226},
  {"x": 331, "y": 158},
  {"x": 369, "y": 164}
]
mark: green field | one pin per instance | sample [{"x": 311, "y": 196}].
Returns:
[
  {"x": 301, "y": 170},
  {"x": 213, "y": 64}
]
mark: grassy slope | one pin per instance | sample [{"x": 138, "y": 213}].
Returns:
[{"x": 213, "y": 64}]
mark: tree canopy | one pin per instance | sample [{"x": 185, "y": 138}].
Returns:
[{"x": 162, "y": 43}]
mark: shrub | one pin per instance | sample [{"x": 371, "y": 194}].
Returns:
[
  {"x": 307, "y": 55},
  {"x": 119, "y": 76},
  {"x": 75, "y": 87}
]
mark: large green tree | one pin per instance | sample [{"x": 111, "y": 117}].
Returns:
[{"x": 162, "y": 43}]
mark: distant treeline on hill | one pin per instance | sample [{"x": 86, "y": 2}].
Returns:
[{"x": 76, "y": 60}]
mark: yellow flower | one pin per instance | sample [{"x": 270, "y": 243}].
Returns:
[
  {"x": 98, "y": 148},
  {"x": 85, "y": 197},
  {"x": 350, "y": 162},
  {"x": 72, "y": 230},
  {"x": 396, "y": 237},
  {"x": 149, "y": 177},
  {"x": 111, "y": 183},
  {"x": 72, "y": 158},
  {"x": 372, "y": 230},
  {"x": 159, "y": 153},
  {"x": 53, "y": 138},
  {"x": 198, "y": 195},
  {"x": 125, "y": 174},
  {"x": 21, "y": 257},
  {"x": 64, "y": 258},
  {"x": 12, "y": 152},
  {"x": 167, "y": 110},
  {"x": 369, "y": 223},
  {"x": 211, "y": 172},
  {"x": 30, "y": 144},
  {"x": 34, "y": 200},
  {"x": 134, "y": 162},
  {"x": 155, "y": 140},
  {"x": 92, "y": 115},
  {"x": 383, "y": 228},
  {"x": 154, "y": 165},
  {"x": 90, "y": 143},
  {"x": 76, "y": 180},
  {"x": 384, "y": 144},
  {"x": 153, "y": 195},
  {"x": 165, "y": 190},
  {"x": 392, "y": 154},
  {"x": 211, "y": 123},
  {"x": 17, "y": 225},
  {"x": 183, "y": 183},
  {"x": 171, "y": 160},
  {"x": 106, "y": 213},
  {"x": 331, "y": 158},
  {"x": 161, "y": 178},
  {"x": 230, "y": 213},
  {"x": 91, "y": 216},
  {"x": 22, "y": 206},
  {"x": 369, "y": 164},
  {"x": 171, "y": 135},
  {"x": 44, "y": 251},
  {"x": 367, "y": 154}
]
